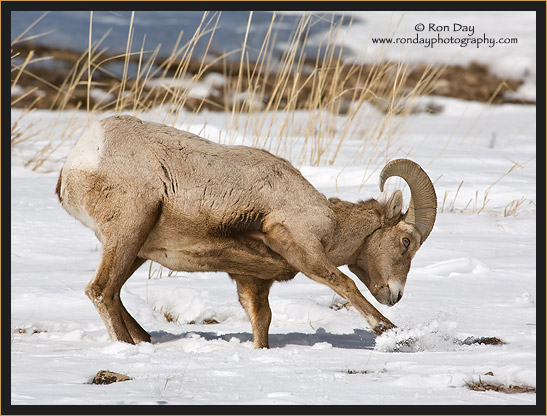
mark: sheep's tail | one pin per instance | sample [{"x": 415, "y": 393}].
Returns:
[{"x": 58, "y": 187}]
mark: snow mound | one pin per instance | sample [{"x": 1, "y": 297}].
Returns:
[{"x": 433, "y": 336}]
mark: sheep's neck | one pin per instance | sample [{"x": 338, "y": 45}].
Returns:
[{"x": 356, "y": 221}]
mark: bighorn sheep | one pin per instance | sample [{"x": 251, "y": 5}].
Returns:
[{"x": 150, "y": 191}]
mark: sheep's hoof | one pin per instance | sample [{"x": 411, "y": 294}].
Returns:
[{"x": 382, "y": 327}]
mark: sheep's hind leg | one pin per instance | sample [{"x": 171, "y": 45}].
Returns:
[
  {"x": 138, "y": 334},
  {"x": 253, "y": 296},
  {"x": 104, "y": 289},
  {"x": 307, "y": 254},
  {"x": 118, "y": 261}
]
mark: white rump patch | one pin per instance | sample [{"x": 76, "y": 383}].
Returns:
[{"x": 88, "y": 149}]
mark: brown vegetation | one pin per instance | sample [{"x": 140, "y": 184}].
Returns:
[
  {"x": 502, "y": 388},
  {"x": 301, "y": 88}
]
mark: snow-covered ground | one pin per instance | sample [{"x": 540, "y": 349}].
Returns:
[{"x": 474, "y": 277}]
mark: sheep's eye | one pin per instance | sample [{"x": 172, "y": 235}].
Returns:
[{"x": 406, "y": 242}]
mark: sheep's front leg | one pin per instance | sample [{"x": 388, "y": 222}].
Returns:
[
  {"x": 253, "y": 296},
  {"x": 307, "y": 254}
]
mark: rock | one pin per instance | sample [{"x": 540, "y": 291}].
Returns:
[
  {"x": 109, "y": 377},
  {"x": 483, "y": 341}
]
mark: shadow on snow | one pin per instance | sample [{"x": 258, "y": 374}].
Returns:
[{"x": 360, "y": 339}]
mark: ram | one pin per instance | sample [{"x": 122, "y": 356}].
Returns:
[{"x": 152, "y": 192}]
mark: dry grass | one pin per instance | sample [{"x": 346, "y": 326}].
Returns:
[
  {"x": 157, "y": 273},
  {"x": 206, "y": 321},
  {"x": 173, "y": 318},
  {"x": 31, "y": 331},
  {"x": 512, "y": 208},
  {"x": 358, "y": 372},
  {"x": 339, "y": 303},
  {"x": 340, "y": 100},
  {"x": 261, "y": 101},
  {"x": 480, "y": 203},
  {"x": 168, "y": 315},
  {"x": 480, "y": 385}
]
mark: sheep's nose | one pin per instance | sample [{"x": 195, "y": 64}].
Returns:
[
  {"x": 395, "y": 297},
  {"x": 396, "y": 293}
]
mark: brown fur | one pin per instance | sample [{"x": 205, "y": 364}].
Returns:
[{"x": 153, "y": 192}]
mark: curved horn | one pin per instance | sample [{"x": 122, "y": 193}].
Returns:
[{"x": 423, "y": 201}]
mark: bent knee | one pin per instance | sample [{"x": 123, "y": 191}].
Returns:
[{"x": 99, "y": 295}]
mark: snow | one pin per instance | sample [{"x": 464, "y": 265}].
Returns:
[
  {"x": 474, "y": 277},
  {"x": 505, "y": 59},
  {"x": 101, "y": 96},
  {"x": 197, "y": 89},
  {"x": 17, "y": 90}
]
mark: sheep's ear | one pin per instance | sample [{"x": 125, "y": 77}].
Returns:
[{"x": 394, "y": 205}]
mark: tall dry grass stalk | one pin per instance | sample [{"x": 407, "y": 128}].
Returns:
[{"x": 304, "y": 111}]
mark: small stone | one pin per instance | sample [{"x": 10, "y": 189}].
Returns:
[
  {"x": 489, "y": 341},
  {"x": 109, "y": 377}
]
